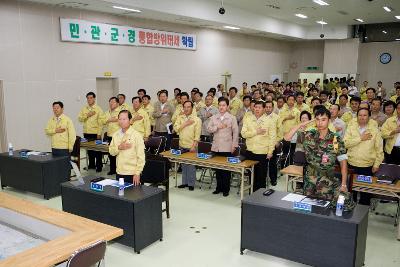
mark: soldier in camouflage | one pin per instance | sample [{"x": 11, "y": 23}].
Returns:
[{"x": 322, "y": 148}]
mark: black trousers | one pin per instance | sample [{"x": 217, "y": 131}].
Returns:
[
  {"x": 223, "y": 177},
  {"x": 273, "y": 168},
  {"x": 260, "y": 170},
  {"x": 127, "y": 178},
  {"x": 365, "y": 198},
  {"x": 167, "y": 136},
  {"x": 60, "y": 152},
  {"x": 95, "y": 158},
  {"x": 393, "y": 157},
  {"x": 113, "y": 159}
]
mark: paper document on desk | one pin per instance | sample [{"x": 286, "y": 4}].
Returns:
[
  {"x": 293, "y": 197},
  {"x": 316, "y": 202},
  {"x": 107, "y": 182}
]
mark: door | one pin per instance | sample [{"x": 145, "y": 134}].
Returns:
[{"x": 106, "y": 88}]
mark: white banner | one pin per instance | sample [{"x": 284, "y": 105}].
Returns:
[{"x": 76, "y": 30}]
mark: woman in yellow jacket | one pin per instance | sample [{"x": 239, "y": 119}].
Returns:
[{"x": 364, "y": 147}]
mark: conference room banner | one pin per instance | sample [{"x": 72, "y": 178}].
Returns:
[{"x": 82, "y": 31}]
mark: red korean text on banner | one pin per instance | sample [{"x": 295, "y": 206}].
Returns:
[{"x": 142, "y": 37}]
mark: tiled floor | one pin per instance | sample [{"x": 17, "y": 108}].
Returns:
[{"x": 204, "y": 231}]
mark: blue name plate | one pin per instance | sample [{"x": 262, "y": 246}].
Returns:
[
  {"x": 96, "y": 187},
  {"x": 302, "y": 206},
  {"x": 98, "y": 142},
  {"x": 364, "y": 179},
  {"x": 233, "y": 160},
  {"x": 176, "y": 152},
  {"x": 203, "y": 156}
]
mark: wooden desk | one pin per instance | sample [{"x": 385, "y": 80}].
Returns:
[
  {"x": 293, "y": 174},
  {"x": 84, "y": 232},
  {"x": 216, "y": 162},
  {"x": 378, "y": 189},
  {"x": 91, "y": 145}
]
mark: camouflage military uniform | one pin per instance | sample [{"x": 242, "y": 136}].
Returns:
[{"x": 321, "y": 154}]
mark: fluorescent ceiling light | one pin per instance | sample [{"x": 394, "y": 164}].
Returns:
[
  {"x": 385, "y": 32},
  {"x": 321, "y": 22},
  {"x": 359, "y": 20},
  {"x": 387, "y": 8},
  {"x": 301, "y": 16},
  {"x": 321, "y": 3},
  {"x": 127, "y": 9},
  {"x": 397, "y": 17},
  {"x": 231, "y": 28}
]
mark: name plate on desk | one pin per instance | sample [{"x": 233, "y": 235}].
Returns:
[
  {"x": 302, "y": 206},
  {"x": 364, "y": 179},
  {"x": 83, "y": 140},
  {"x": 176, "y": 152},
  {"x": 203, "y": 156},
  {"x": 233, "y": 160},
  {"x": 96, "y": 187},
  {"x": 98, "y": 142}
]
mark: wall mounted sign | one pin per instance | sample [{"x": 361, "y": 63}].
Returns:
[{"x": 82, "y": 31}]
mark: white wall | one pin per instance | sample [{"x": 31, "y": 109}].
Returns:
[
  {"x": 305, "y": 54},
  {"x": 341, "y": 56},
  {"x": 37, "y": 68},
  {"x": 370, "y": 68}
]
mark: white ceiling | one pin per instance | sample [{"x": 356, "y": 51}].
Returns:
[
  {"x": 338, "y": 13},
  {"x": 270, "y": 18}
]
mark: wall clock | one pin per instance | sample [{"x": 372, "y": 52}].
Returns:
[{"x": 385, "y": 58}]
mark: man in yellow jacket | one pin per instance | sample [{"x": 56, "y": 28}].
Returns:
[
  {"x": 110, "y": 120},
  {"x": 289, "y": 117},
  {"x": 300, "y": 105},
  {"x": 234, "y": 103},
  {"x": 128, "y": 146},
  {"x": 91, "y": 116},
  {"x": 122, "y": 104},
  {"x": 183, "y": 97},
  {"x": 364, "y": 145},
  {"x": 354, "y": 105},
  {"x": 61, "y": 131},
  {"x": 140, "y": 118},
  {"x": 149, "y": 108},
  {"x": 260, "y": 134},
  {"x": 188, "y": 127},
  {"x": 391, "y": 133},
  {"x": 273, "y": 169}
]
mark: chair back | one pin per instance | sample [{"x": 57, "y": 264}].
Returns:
[
  {"x": 155, "y": 143},
  {"x": 204, "y": 147},
  {"x": 88, "y": 256},
  {"x": 156, "y": 169},
  {"x": 299, "y": 158}
]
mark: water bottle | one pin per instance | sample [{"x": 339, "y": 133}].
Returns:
[
  {"x": 10, "y": 149},
  {"x": 121, "y": 190},
  {"x": 340, "y": 206}
]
